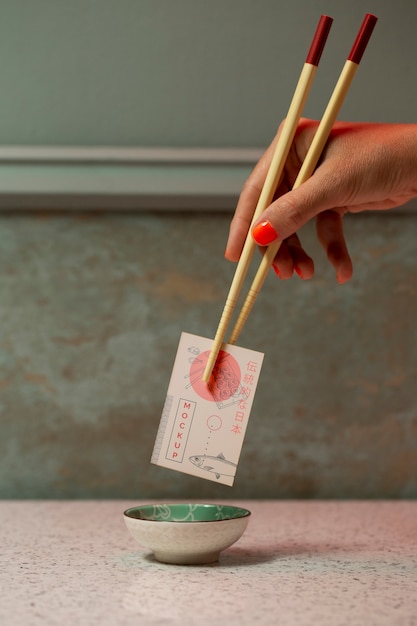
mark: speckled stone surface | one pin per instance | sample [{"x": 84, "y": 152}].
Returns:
[{"x": 299, "y": 563}]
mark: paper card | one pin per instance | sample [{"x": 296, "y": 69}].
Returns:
[{"x": 203, "y": 424}]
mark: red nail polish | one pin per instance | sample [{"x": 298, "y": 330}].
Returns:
[
  {"x": 264, "y": 233},
  {"x": 276, "y": 270},
  {"x": 297, "y": 269}
]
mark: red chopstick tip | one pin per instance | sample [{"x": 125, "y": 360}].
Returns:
[
  {"x": 319, "y": 40},
  {"x": 362, "y": 38}
]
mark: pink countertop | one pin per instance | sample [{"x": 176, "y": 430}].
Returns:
[{"x": 301, "y": 563}]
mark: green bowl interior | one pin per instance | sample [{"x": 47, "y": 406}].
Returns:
[{"x": 186, "y": 512}]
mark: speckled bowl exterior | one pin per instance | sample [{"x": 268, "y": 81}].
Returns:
[{"x": 186, "y": 534}]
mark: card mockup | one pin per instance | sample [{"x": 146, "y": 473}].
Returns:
[{"x": 203, "y": 425}]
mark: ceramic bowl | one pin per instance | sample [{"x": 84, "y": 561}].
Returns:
[{"x": 186, "y": 534}]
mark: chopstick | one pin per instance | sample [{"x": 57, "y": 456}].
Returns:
[
  {"x": 311, "y": 160},
  {"x": 276, "y": 167}
]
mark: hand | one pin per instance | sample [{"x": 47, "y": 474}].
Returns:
[{"x": 363, "y": 167}]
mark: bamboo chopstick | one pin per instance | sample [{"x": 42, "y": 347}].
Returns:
[
  {"x": 310, "y": 162},
  {"x": 276, "y": 167}
]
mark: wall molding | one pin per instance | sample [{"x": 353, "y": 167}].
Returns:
[
  {"x": 122, "y": 178},
  {"x": 123, "y": 154},
  {"x": 125, "y": 178}
]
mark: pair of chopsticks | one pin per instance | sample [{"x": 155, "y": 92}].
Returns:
[{"x": 277, "y": 165}]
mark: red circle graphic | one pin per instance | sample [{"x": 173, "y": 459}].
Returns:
[{"x": 224, "y": 381}]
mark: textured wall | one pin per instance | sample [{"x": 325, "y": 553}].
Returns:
[{"x": 92, "y": 307}]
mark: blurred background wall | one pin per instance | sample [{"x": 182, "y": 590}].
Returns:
[
  {"x": 156, "y": 111},
  {"x": 189, "y": 72}
]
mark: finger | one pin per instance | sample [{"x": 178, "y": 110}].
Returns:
[
  {"x": 247, "y": 203},
  {"x": 241, "y": 221},
  {"x": 283, "y": 264},
  {"x": 329, "y": 225},
  {"x": 294, "y": 209},
  {"x": 303, "y": 263},
  {"x": 292, "y": 257}
]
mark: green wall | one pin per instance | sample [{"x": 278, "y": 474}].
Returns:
[
  {"x": 92, "y": 304},
  {"x": 189, "y": 72}
]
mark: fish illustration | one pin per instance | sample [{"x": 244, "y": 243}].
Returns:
[{"x": 218, "y": 465}]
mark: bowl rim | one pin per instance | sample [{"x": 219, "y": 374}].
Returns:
[{"x": 245, "y": 512}]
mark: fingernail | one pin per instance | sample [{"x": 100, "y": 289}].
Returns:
[
  {"x": 299, "y": 272},
  {"x": 264, "y": 233},
  {"x": 276, "y": 270}
]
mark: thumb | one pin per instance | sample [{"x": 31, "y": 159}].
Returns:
[{"x": 292, "y": 210}]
